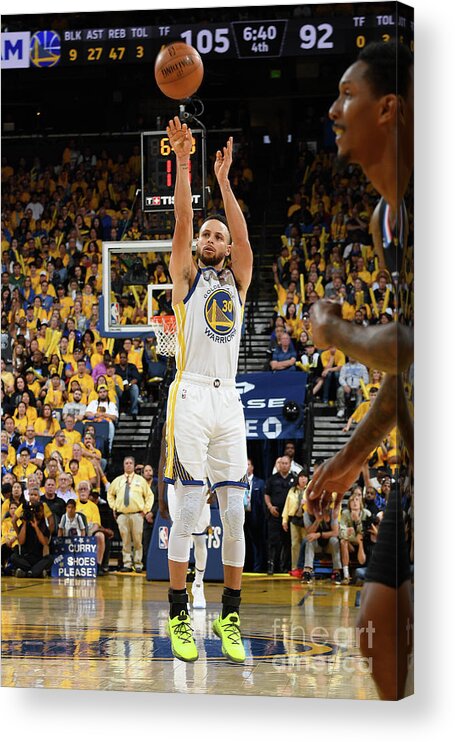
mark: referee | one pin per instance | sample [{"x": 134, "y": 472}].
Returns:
[{"x": 131, "y": 499}]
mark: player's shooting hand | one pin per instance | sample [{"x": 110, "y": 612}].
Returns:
[
  {"x": 223, "y": 161},
  {"x": 323, "y": 314},
  {"x": 180, "y": 138},
  {"x": 335, "y": 475}
]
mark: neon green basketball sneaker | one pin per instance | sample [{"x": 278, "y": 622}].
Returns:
[
  {"x": 181, "y": 635},
  {"x": 228, "y": 629}
]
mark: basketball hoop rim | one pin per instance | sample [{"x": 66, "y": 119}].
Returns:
[{"x": 166, "y": 322}]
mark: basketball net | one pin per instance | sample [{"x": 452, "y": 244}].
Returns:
[{"x": 165, "y": 331}]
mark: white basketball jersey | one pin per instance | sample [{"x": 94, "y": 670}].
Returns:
[{"x": 209, "y": 321}]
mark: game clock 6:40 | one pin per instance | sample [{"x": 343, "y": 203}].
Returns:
[{"x": 259, "y": 38}]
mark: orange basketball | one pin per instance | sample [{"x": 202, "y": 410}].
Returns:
[{"x": 178, "y": 70}]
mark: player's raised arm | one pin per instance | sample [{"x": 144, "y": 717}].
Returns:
[
  {"x": 387, "y": 347},
  {"x": 181, "y": 266},
  {"x": 241, "y": 254}
]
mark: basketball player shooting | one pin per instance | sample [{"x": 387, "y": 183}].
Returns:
[
  {"x": 205, "y": 427},
  {"x": 373, "y": 120}
]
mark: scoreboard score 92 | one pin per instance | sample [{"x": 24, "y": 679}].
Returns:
[
  {"x": 338, "y": 33},
  {"x": 159, "y": 171}
]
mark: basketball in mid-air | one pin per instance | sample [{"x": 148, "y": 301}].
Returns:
[{"x": 178, "y": 70}]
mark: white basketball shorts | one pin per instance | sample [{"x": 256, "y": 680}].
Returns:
[{"x": 205, "y": 432}]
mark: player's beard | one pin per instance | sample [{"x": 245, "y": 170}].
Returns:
[{"x": 210, "y": 260}]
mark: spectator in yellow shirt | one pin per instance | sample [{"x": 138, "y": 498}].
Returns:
[
  {"x": 62, "y": 446},
  {"x": 93, "y": 455},
  {"x": 86, "y": 469},
  {"x": 10, "y": 451},
  {"x": 376, "y": 378},
  {"x": 23, "y": 467},
  {"x": 88, "y": 300},
  {"x": 332, "y": 360},
  {"x": 16, "y": 497},
  {"x": 20, "y": 418},
  {"x": 46, "y": 424},
  {"x": 361, "y": 410},
  {"x": 55, "y": 393},
  {"x": 7, "y": 378},
  {"x": 83, "y": 378},
  {"x": 294, "y": 325},
  {"x": 362, "y": 273},
  {"x": 71, "y": 434},
  {"x": 32, "y": 382},
  {"x": 98, "y": 354},
  {"x": 30, "y": 409},
  {"x": 9, "y": 535},
  {"x": 90, "y": 510}
]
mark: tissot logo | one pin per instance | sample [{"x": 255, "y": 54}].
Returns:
[{"x": 167, "y": 200}]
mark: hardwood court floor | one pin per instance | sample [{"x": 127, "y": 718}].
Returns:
[{"x": 109, "y": 634}]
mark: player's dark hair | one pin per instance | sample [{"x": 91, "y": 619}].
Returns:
[
  {"x": 389, "y": 67},
  {"x": 219, "y": 218}
]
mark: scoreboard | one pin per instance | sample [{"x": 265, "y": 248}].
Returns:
[
  {"x": 256, "y": 39},
  {"x": 159, "y": 171}
]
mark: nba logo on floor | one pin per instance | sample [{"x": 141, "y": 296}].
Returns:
[{"x": 163, "y": 537}]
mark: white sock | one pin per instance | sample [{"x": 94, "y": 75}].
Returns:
[
  {"x": 345, "y": 571},
  {"x": 199, "y": 577}
]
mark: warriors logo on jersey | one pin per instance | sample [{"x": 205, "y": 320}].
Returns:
[{"x": 219, "y": 312}]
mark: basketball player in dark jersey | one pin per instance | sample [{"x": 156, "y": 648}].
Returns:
[{"x": 373, "y": 122}]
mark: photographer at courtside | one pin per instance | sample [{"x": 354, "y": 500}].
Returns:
[{"x": 33, "y": 559}]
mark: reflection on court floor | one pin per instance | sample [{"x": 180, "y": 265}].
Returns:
[{"x": 110, "y": 635}]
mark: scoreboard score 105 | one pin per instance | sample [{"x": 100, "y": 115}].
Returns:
[
  {"x": 337, "y": 34},
  {"x": 159, "y": 171}
]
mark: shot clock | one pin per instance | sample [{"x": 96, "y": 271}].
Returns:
[{"x": 159, "y": 171}]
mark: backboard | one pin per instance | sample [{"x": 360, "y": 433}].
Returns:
[{"x": 133, "y": 286}]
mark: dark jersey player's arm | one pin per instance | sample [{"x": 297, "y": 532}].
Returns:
[
  {"x": 338, "y": 473},
  {"x": 389, "y": 347}
]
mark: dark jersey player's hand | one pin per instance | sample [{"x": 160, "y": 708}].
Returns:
[
  {"x": 322, "y": 314},
  {"x": 335, "y": 475}
]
